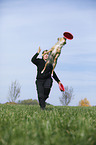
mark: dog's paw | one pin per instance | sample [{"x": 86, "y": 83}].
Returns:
[
  {"x": 52, "y": 74},
  {"x": 42, "y": 71}
]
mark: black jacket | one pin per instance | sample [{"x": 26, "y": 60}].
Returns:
[{"x": 40, "y": 63}]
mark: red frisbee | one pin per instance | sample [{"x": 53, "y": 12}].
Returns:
[
  {"x": 68, "y": 35},
  {"x": 61, "y": 87}
]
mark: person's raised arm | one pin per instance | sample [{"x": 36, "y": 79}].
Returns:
[
  {"x": 34, "y": 58},
  {"x": 39, "y": 50}
]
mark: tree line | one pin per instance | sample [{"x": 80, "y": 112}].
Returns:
[{"x": 65, "y": 99}]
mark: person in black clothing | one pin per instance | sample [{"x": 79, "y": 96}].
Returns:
[{"x": 43, "y": 80}]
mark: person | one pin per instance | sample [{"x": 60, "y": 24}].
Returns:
[{"x": 43, "y": 80}]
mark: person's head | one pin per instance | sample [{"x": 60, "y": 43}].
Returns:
[{"x": 44, "y": 55}]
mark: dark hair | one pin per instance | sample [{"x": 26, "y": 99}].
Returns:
[{"x": 44, "y": 51}]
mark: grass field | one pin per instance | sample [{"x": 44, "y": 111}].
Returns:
[{"x": 28, "y": 125}]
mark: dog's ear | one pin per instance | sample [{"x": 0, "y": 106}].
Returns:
[{"x": 58, "y": 39}]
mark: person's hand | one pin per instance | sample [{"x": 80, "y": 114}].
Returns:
[
  {"x": 39, "y": 49},
  {"x": 61, "y": 87},
  {"x": 59, "y": 83}
]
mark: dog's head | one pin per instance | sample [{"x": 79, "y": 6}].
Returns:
[{"x": 61, "y": 40}]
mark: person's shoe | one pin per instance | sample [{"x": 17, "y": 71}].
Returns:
[{"x": 42, "y": 108}]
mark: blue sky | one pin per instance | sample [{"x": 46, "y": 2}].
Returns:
[{"x": 25, "y": 25}]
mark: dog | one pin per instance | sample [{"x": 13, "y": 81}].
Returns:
[{"x": 54, "y": 53}]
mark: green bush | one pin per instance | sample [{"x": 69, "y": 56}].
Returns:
[{"x": 29, "y": 102}]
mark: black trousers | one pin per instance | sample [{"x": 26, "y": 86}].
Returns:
[{"x": 43, "y": 90}]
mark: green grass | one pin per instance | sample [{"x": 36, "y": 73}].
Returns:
[{"x": 28, "y": 125}]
